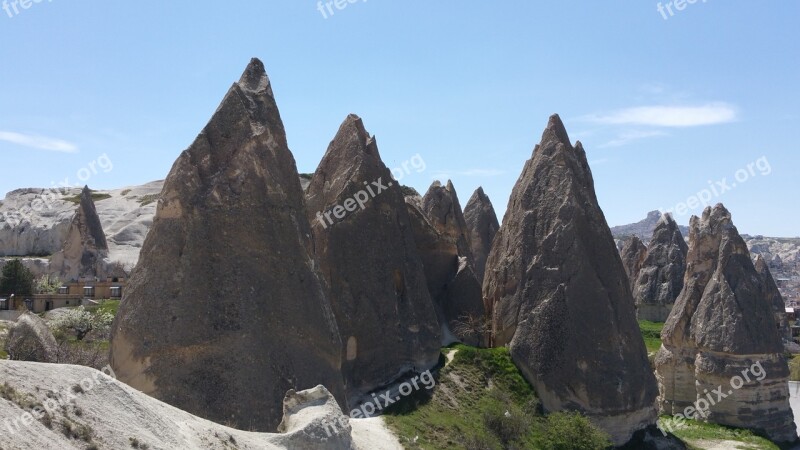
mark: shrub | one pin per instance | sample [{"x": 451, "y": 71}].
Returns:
[
  {"x": 81, "y": 322},
  {"x": 16, "y": 279},
  {"x": 570, "y": 431}
]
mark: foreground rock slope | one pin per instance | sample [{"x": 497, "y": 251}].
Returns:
[
  {"x": 227, "y": 310},
  {"x": 720, "y": 328},
  {"x": 560, "y": 296},
  {"x": 98, "y": 410},
  {"x": 366, "y": 250}
]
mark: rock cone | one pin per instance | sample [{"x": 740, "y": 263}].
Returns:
[
  {"x": 441, "y": 236},
  {"x": 633, "y": 254},
  {"x": 226, "y": 310},
  {"x": 482, "y": 227},
  {"x": 366, "y": 249},
  {"x": 85, "y": 248},
  {"x": 774, "y": 297},
  {"x": 721, "y": 337},
  {"x": 660, "y": 279},
  {"x": 560, "y": 296}
]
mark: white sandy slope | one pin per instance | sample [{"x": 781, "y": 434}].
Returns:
[
  {"x": 116, "y": 413},
  {"x": 125, "y": 218}
]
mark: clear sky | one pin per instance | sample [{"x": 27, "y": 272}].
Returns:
[{"x": 666, "y": 108}]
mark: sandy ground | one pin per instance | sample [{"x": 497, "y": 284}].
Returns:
[{"x": 373, "y": 434}]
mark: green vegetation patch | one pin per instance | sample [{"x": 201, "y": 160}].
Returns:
[
  {"x": 96, "y": 197},
  {"x": 651, "y": 332},
  {"x": 482, "y": 401},
  {"x": 693, "y": 433}
]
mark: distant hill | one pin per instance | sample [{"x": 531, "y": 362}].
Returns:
[{"x": 643, "y": 229}]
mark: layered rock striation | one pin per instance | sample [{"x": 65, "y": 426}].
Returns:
[{"x": 721, "y": 337}]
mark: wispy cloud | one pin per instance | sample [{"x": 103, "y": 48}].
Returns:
[
  {"x": 668, "y": 116},
  {"x": 38, "y": 142},
  {"x": 630, "y": 136}
]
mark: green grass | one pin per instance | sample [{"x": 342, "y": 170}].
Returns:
[
  {"x": 147, "y": 199},
  {"x": 651, "y": 332},
  {"x": 481, "y": 401},
  {"x": 95, "y": 197},
  {"x": 694, "y": 431},
  {"x": 106, "y": 306}
]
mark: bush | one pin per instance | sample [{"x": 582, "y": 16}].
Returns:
[{"x": 570, "y": 431}]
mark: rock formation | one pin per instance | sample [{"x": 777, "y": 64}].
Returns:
[
  {"x": 442, "y": 208},
  {"x": 29, "y": 339},
  {"x": 721, "y": 337},
  {"x": 642, "y": 229},
  {"x": 482, "y": 227},
  {"x": 111, "y": 415},
  {"x": 366, "y": 249},
  {"x": 85, "y": 250},
  {"x": 633, "y": 254},
  {"x": 441, "y": 236},
  {"x": 560, "y": 295},
  {"x": 660, "y": 278},
  {"x": 774, "y": 298},
  {"x": 227, "y": 310}
]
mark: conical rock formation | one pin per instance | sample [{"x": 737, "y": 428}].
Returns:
[
  {"x": 366, "y": 249},
  {"x": 720, "y": 351},
  {"x": 560, "y": 295},
  {"x": 660, "y": 279},
  {"x": 633, "y": 254},
  {"x": 482, "y": 227},
  {"x": 85, "y": 248},
  {"x": 227, "y": 310},
  {"x": 774, "y": 297},
  {"x": 441, "y": 236}
]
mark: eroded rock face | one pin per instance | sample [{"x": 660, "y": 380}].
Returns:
[
  {"x": 482, "y": 227},
  {"x": 29, "y": 339},
  {"x": 773, "y": 297},
  {"x": 633, "y": 254},
  {"x": 660, "y": 278},
  {"x": 722, "y": 331},
  {"x": 227, "y": 310},
  {"x": 442, "y": 239},
  {"x": 560, "y": 297},
  {"x": 85, "y": 250},
  {"x": 362, "y": 235}
]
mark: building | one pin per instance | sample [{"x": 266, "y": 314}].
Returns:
[{"x": 75, "y": 293}]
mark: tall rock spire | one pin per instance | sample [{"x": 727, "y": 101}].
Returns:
[
  {"x": 482, "y": 226},
  {"x": 722, "y": 331},
  {"x": 85, "y": 249},
  {"x": 560, "y": 296},
  {"x": 226, "y": 310},
  {"x": 366, "y": 250}
]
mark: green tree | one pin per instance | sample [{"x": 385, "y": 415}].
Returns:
[{"x": 16, "y": 279}]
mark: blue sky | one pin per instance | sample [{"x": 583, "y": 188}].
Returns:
[{"x": 666, "y": 108}]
